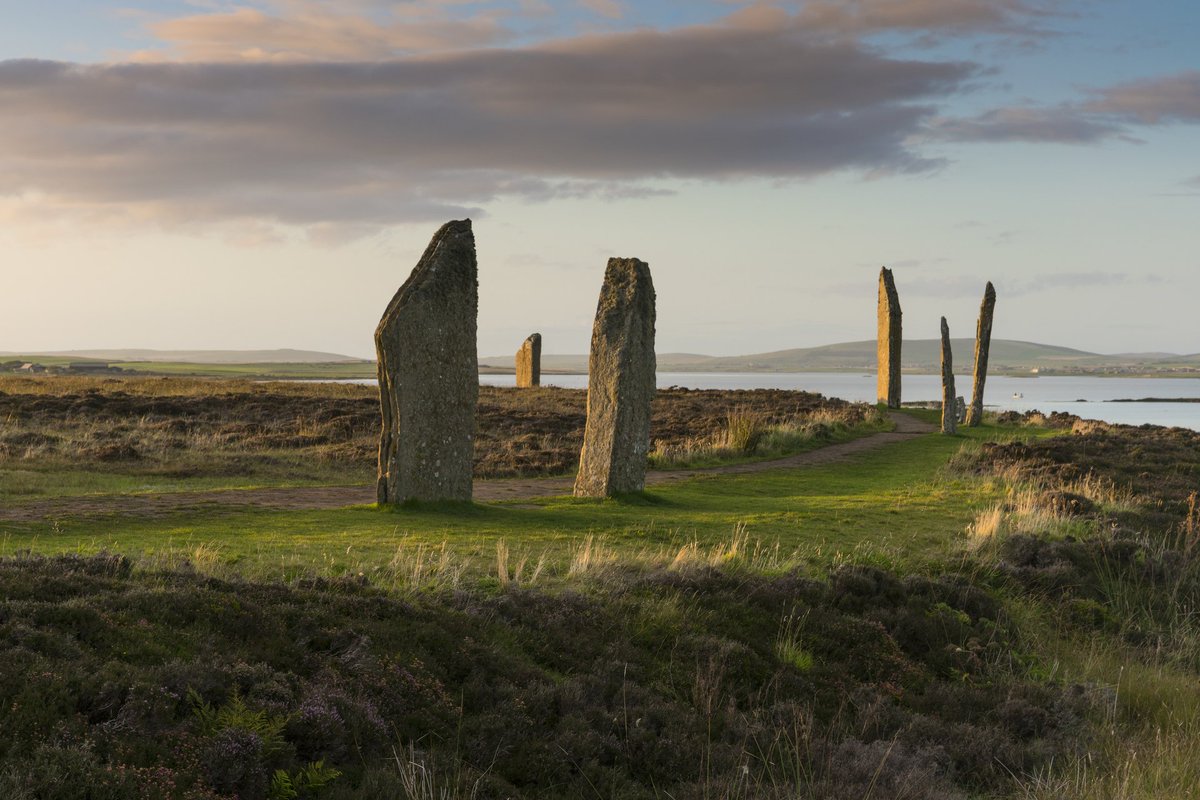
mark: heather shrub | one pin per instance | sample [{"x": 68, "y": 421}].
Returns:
[{"x": 696, "y": 681}]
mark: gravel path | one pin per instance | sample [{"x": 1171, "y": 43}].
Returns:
[{"x": 326, "y": 497}]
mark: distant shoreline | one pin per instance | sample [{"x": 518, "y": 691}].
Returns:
[
  {"x": 489, "y": 369},
  {"x": 1009, "y": 358},
  {"x": 364, "y": 371}
]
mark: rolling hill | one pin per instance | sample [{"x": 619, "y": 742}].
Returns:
[
  {"x": 922, "y": 355},
  {"x": 283, "y": 356}
]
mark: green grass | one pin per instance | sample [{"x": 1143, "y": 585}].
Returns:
[
  {"x": 51, "y": 361},
  {"x": 314, "y": 371},
  {"x": 896, "y": 500},
  {"x": 266, "y": 370},
  {"x": 906, "y": 506},
  {"x": 1147, "y": 745},
  {"x": 50, "y": 480},
  {"x": 32, "y": 481},
  {"x": 32, "y": 484},
  {"x": 773, "y": 442}
]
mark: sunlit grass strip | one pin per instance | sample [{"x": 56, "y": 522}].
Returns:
[{"x": 746, "y": 435}]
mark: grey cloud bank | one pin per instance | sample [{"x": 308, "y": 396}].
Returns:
[
  {"x": 1107, "y": 114},
  {"x": 343, "y": 148},
  {"x": 961, "y": 17},
  {"x": 421, "y": 138},
  {"x": 1167, "y": 98},
  {"x": 1049, "y": 125}
]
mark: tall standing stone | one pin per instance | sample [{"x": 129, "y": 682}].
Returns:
[
  {"x": 529, "y": 362},
  {"x": 429, "y": 374},
  {"x": 889, "y": 341},
  {"x": 983, "y": 343},
  {"x": 616, "y": 440},
  {"x": 949, "y": 398}
]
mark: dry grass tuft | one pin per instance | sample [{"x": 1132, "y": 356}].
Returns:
[
  {"x": 747, "y": 432},
  {"x": 181, "y": 428},
  {"x": 1026, "y": 511}
]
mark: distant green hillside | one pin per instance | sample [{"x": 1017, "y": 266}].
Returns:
[
  {"x": 925, "y": 355},
  {"x": 269, "y": 370},
  {"x": 918, "y": 354},
  {"x": 283, "y": 356},
  {"x": 922, "y": 355},
  {"x": 578, "y": 362},
  {"x": 47, "y": 360}
]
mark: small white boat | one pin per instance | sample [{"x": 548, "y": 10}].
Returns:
[{"x": 1017, "y": 396}]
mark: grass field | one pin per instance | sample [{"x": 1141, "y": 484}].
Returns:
[
  {"x": 899, "y": 501},
  {"x": 307, "y": 370},
  {"x": 1011, "y": 612},
  {"x": 270, "y": 371},
  {"x": 86, "y": 435}
]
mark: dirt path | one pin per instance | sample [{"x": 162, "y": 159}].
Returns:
[{"x": 326, "y": 497}]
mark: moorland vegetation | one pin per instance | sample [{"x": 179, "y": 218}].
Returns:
[
  {"x": 1007, "y": 613},
  {"x": 97, "y": 434}
]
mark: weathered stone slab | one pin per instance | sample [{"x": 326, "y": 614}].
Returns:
[
  {"x": 983, "y": 343},
  {"x": 621, "y": 369},
  {"x": 429, "y": 374},
  {"x": 890, "y": 338},
  {"x": 529, "y": 362},
  {"x": 949, "y": 406}
]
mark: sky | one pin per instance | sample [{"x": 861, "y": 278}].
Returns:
[{"x": 265, "y": 173}]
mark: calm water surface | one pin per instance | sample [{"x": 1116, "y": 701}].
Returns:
[{"x": 1083, "y": 396}]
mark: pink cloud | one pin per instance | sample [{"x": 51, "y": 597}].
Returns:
[{"x": 313, "y": 31}]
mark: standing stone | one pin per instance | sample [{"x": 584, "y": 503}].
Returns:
[
  {"x": 616, "y": 440},
  {"x": 529, "y": 362},
  {"x": 983, "y": 343},
  {"x": 429, "y": 374},
  {"x": 949, "y": 406},
  {"x": 889, "y": 341}
]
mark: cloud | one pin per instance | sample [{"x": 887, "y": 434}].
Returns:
[
  {"x": 956, "y": 17},
  {"x": 361, "y": 30},
  {"x": 904, "y": 264},
  {"x": 368, "y": 145},
  {"x": 1004, "y": 237},
  {"x": 1190, "y": 186},
  {"x": 613, "y": 9},
  {"x": 1107, "y": 113},
  {"x": 310, "y": 30},
  {"x": 1075, "y": 281},
  {"x": 1151, "y": 101},
  {"x": 914, "y": 280},
  {"x": 947, "y": 286},
  {"x": 1052, "y": 125},
  {"x": 954, "y": 286}
]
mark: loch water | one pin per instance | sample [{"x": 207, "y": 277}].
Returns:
[{"x": 1087, "y": 397}]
